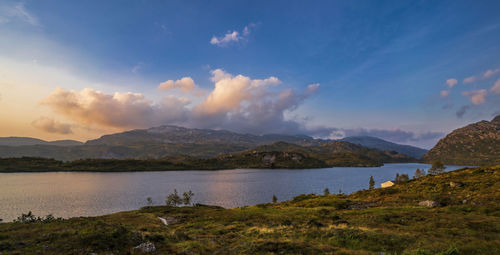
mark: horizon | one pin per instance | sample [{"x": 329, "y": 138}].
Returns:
[{"x": 77, "y": 71}]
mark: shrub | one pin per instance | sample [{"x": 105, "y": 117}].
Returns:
[
  {"x": 437, "y": 168},
  {"x": 186, "y": 197},
  {"x": 173, "y": 199}
]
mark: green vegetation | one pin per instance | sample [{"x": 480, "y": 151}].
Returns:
[
  {"x": 466, "y": 220},
  {"x": 436, "y": 168},
  {"x": 371, "y": 183}
]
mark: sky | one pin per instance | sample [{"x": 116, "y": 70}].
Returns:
[{"x": 405, "y": 71}]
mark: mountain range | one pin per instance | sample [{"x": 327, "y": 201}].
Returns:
[
  {"x": 383, "y": 145},
  {"x": 167, "y": 141}
]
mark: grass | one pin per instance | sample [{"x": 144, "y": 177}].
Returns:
[{"x": 367, "y": 222}]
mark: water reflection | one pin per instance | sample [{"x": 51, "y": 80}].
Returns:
[{"x": 85, "y": 194}]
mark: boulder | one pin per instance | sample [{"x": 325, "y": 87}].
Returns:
[
  {"x": 429, "y": 203},
  {"x": 455, "y": 184},
  {"x": 146, "y": 247}
]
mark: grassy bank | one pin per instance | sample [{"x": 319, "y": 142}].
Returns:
[{"x": 466, "y": 220}]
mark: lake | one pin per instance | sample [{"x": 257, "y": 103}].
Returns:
[{"x": 70, "y": 194}]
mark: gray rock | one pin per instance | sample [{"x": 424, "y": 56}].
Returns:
[
  {"x": 429, "y": 203},
  {"x": 146, "y": 247},
  {"x": 455, "y": 184}
]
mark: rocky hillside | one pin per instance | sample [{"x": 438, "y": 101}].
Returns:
[
  {"x": 383, "y": 145},
  {"x": 475, "y": 144},
  {"x": 182, "y": 135}
]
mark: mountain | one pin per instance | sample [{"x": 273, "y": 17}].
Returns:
[
  {"x": 383, "y": 145},
  {"x": 182, "y": 135},
  {"x": 23, "y": 141},
  {"x": 474, "y": 144},
  {"x": 172, "y": 141}
]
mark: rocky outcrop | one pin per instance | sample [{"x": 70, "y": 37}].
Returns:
[
  {"x": 475, "y": 144},
  {"x": 429, "y": 203},
  {"x": 146, "y": 247}
]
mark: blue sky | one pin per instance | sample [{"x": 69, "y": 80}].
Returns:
[{"x": 381, "y": 66}]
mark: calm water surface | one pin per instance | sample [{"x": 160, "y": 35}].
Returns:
[{"x": 67, "y": 194}]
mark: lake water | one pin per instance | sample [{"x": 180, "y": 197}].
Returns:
[{"x": 69, "y": 194}]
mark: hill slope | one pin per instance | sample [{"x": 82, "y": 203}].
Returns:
[
  {"x": 383, "y": 145},
  {"x": 474, "y": 144},
  {"x": 378, "y": 221},
  {"x": 26, "y": 141}
]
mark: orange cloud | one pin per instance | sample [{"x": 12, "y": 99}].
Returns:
[{"x": 51, "y": 126}]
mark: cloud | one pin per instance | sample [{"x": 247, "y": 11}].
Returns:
[
  {"x": 451, "y": 82},
  {"x": 460, "y": 113},
  {"x": 232, "y": 36},
  {"x": 186, "y": 84},
  {"x": 445, "y": 93},
  {"x": 490, "y": 73},
  {"x": 470, "y": 79},
  {"x": 496, "y": 87},
  {"x": 51, "y": 126},
  {"x": 236, "y": 102},
  {"x": 120, "y": 110},
  {"x": 137, "y": 67},
  {"x": 16, "y": 11},
  {"x": 448, "y": 105},
  {"x": 476, "y": 96},
  {"x": 394, "y": 135},
  {"x": 250, "y": 105}
]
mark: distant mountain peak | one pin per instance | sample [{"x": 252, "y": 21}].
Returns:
[{"x": 383, "y": 145}]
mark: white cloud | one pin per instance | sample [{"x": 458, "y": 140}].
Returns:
[
  {"x": 236, "y": 103},
  {"x": 10, "y": 12},
  {"x": 470, "y": 79},
  {"x": 186, "y": 84},
  {"x": 451, "y": 82},
  {"x": 120, "y": 110},
  {"x": 51, "y": 126},
  {"x": 445, "y": 93},
  {"x": 232, "y": 36},
  {"x": 496, "y": 87},
  {"x": 476, "y": 96},
  {"x": 490, "y": 73}
]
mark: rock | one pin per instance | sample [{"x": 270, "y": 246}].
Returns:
[
  {"x": 429, "y": 203},
  {"x": 455, "y": 184},
  {"x": 146, "y": 247}
]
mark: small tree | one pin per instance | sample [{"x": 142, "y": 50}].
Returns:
[
  {"x": 340, "y": 192},
  {"x": 397, "y": 178},
  {"x": 403, "y": 178},
  {"x": 186, "y": 197},
  {"x": 326, "y": 192},
  {"x": 436, "y": 168},
  {"x": 275, "y": 199},
  {"x": 418, "y": 174},
  {"x": 372, "y": 183},
  {"x": 173, "y": 199},
  {"x": 149, "y": 200}
]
